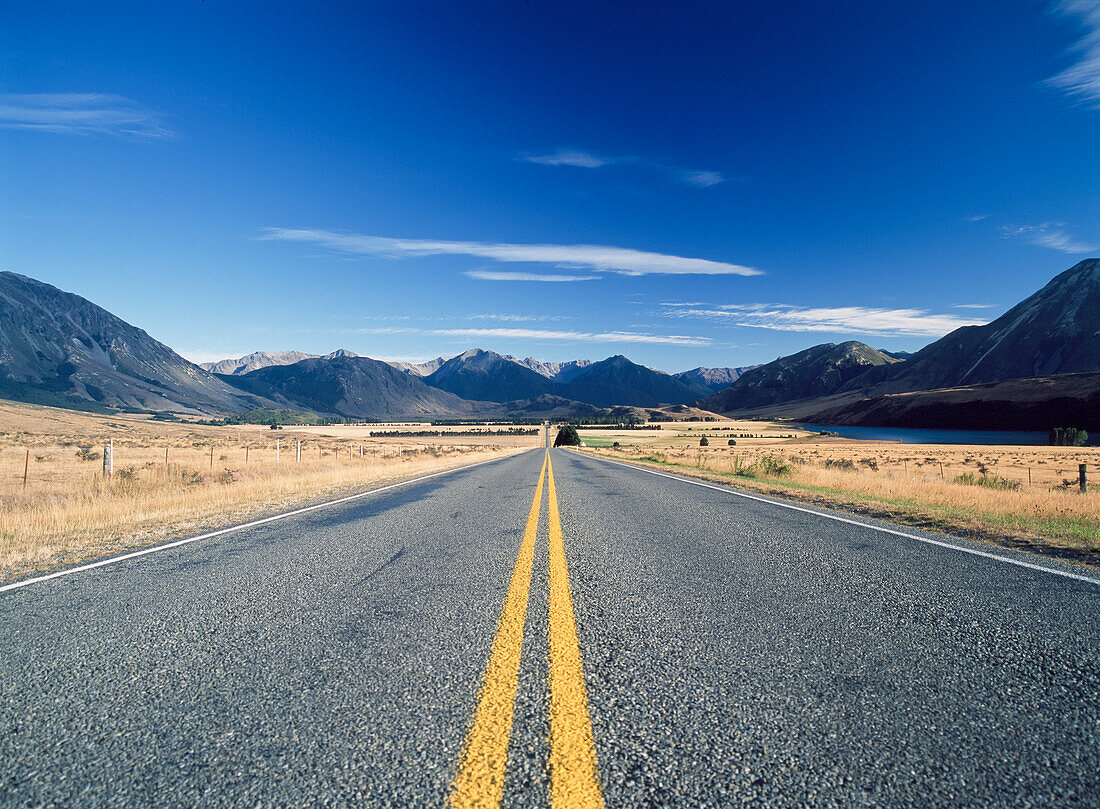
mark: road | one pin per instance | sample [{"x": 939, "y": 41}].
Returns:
[{"x": 671, "y": 645}]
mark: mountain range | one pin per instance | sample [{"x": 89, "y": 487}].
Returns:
[{"x": 59, "y": 348}]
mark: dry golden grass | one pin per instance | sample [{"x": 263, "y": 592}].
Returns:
[
  {"x": 210, "y": 477},
  {"x": 904, "y": 482}
]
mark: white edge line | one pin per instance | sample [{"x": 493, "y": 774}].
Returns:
[
  {"x": 872, "y": 526},
  {"x": 154, "y": 549}
]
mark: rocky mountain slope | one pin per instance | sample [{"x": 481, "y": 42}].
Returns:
[
  {"x": 557, "y": 371},
  {"x": 713, "y": 379},
  {"x": 420, "y": 369},
  {"x": 59, "y": 348},
  {"x": 257, "y": 359},
  {"x": 818, "y": 371},
  {"x": 1054, "y": 331},
  {"x": 489, "y": 377}
]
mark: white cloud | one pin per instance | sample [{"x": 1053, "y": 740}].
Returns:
[
  {"x": 497, "y": 275},
  {"x": 588, "y": 160},
  {"x": 704, "y": 179},
  {"x": 1082, "y": 79},
  {"x": 973, "y": 306},
  {"x": 1050, "y": 234},
  {"x": 80, "y": 114},
  {"x": 837, "y": 320},
  {"x": 569, "y": 157},
  {"x": 599, "y": 258},
  {"x": 520, "y": 318},
  {"x": 576, "y": 336}
]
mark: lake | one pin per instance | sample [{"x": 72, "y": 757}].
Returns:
[{"x": 920, "y": 435}]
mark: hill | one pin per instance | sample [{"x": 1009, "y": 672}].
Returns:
[
  {"x": 59, "y": 348},
  {"x": 618, "y": 381},
  {"x": 818, "y": 371},
  {"x": 489, "y": 377},
  {"x": 353, "y": 387}
]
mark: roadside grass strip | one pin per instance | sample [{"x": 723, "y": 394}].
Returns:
[
  {"x": 479, "y": 782},
  {"x": 574, "y": 779}
]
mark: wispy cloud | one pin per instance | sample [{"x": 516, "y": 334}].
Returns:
[
  {"x": 505, "y": 318},
  {"x": 576, "y": 336},
  {"x": 837, "y": 320},
  {"x": 1050, "y": 234},
  {"x": 703, "y": 179},
  {"x": 598, "y": 258},
  {"x": 570, "y": 157},
  {"x": 498, "y": 275},
  {"x": 81, "y": 114},
  {"x": 580, "y": 158},
  {"x": 1081, "y": 80},
  {"x": 973, "y": 306}
]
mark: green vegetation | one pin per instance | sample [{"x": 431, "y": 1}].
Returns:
[
  {"x": 567, "y": 436},
  {"x": 766, "y": 466},
  {"x": 269, "y": 416},
  {"x": 1068, "y": 437},
  {"x": 989, "y": 481}
]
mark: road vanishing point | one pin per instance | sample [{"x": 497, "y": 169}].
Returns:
[{"x": 554, "y": 630}]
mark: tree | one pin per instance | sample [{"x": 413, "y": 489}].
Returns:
[
  {"x": 567, "y": 436},
  {"x": 732, "y": 443},
  {"x": 1068, "y": 437},
  {"x": 703, "y": 442}
]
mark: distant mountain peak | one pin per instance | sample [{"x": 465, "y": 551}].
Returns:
[{"x": 338, "y": 354}]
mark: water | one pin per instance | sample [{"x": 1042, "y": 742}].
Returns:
[{"x": 919, "y": 435}]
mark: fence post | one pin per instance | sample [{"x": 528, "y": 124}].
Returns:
[
  {"x": 211, "y": 457},
  {"x": 109, "y": 458},
  {"x": 298, "y": 454},
  {"x": 166, "y": 456},
  {"x": 1083, "y": 475},
  {"x": 276, "y": 451},
  {"x": 360, "y": 452},
  {"x": 26, "y": 468}
]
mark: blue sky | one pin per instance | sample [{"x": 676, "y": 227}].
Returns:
[{"x": 704, "y": 183}]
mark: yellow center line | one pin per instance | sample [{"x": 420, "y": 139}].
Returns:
[
  {"x": 479, "y": 782},
  {"x": 574, "y": 778}
]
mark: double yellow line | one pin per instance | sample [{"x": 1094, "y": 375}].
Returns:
[{"x": 574, "y": 781}]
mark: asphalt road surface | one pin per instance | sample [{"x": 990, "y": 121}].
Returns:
[{"x": 580, "y": 635}]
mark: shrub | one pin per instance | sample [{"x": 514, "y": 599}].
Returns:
[
  {"x": 86, "y": 454},
  {"x": 767, "y": 466},
  {"x": 840, "y": 463},
  {"x": 703, "y": 442},
  {"x": 990, "y": 481},
  {"x": 567, "y": 436},
  {"x": 615, "y": 445},
  {"x": 732, "y": 443}
]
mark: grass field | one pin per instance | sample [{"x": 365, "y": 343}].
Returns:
[
  {"x": 173, "y": 478},
  {"x": 1012, "y": 495}
]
